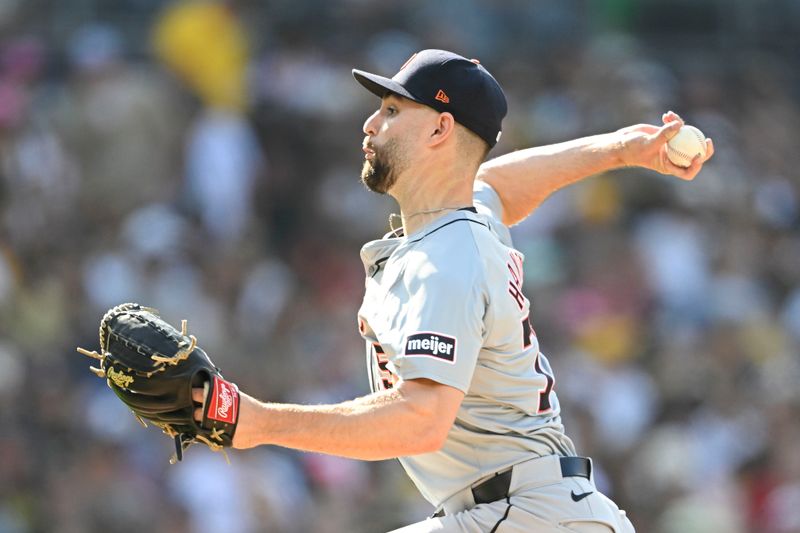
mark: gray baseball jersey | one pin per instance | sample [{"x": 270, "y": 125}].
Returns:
[{"x": 446, "y": 304}]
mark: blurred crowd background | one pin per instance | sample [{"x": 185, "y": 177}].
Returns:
[{"x": 202, "y": 158}]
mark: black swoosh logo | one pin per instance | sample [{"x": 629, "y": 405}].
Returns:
[{"x": 579, "y": 497}]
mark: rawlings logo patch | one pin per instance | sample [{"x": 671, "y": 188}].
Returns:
[
  {"x": 431, "y": 344},
  {"x": 224, "y": 402},
  {"x": 120, "y": 379}
]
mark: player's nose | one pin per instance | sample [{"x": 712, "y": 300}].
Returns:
[{"x": 370, "y": 127}]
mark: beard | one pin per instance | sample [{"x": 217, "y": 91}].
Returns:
[{"x": 379, "y": 174}]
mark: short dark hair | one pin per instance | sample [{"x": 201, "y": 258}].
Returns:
[{"x": 471, "y": 145}]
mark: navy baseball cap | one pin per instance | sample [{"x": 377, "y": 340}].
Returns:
[{"x": 447, "y": 82}]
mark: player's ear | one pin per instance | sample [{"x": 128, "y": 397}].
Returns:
[{"x": 444, "y": 126}]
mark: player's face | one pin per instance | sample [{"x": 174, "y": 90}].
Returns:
[{"x": 386, "y": 145}]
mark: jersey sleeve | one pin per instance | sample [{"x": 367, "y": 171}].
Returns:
[
  {"x": 443, "y": 329},
  {"x": 488, "y": 204}
]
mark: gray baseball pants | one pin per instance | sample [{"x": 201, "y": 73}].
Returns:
[{"x": 540, "y": 500}]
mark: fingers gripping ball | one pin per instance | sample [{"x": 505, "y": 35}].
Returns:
[
  {"x": 688, "y": 143},
  {"x": 152, "y": 368}
]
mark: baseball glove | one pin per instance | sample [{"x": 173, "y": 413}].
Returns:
[{"x": 152, "y": 367}]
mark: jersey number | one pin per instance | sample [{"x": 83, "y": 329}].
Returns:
[
  {"x": 544, "y": 394},
  {"x": 385, "y": 376},
  {"x": 515, "y": 290}
]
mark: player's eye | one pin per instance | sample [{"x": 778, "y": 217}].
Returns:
[{"x": 391, "y": 110}]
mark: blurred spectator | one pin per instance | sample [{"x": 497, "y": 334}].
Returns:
[
  {"x": 222, "y": 160},
  {"x": 122, "y": 124},
  {"x": 223, "y": 157}
]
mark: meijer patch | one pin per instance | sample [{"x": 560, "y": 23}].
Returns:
[{"x": 431, "y": 344}]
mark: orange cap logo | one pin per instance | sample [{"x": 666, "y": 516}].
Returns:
[{"x": 442, "y": 97}]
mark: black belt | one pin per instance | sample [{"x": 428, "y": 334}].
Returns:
[{"x": 496, "y": 488}]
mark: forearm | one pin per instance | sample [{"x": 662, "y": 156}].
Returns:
[
  {"x": 383, "y": 425},
  {"x": 525, "y": 178}
]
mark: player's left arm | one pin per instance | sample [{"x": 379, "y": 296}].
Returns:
[
  {"x": 412, "y": 418},
  {"x": 525, "y": 178}
]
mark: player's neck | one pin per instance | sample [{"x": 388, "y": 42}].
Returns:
[{"x": 426, "y": 199}]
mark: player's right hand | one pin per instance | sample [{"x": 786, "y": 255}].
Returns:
[{"x": 645, "y": 145}]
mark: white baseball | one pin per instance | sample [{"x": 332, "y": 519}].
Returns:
[{"x": 685, "y": 145}]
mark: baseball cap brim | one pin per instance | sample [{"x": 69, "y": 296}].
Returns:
[{"x": 379, "y": 85}]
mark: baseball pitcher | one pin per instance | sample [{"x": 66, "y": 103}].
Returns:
[{"x": 462, "y": 393}]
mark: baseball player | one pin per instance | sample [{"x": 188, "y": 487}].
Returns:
[{"x": 461, "y": 392}]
